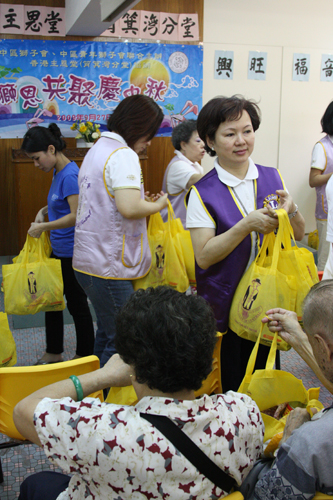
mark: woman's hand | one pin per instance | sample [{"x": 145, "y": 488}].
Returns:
[
  {"x": 161, "y": 199},
  {"x": 36, "y": 229},
  {"x": 286, "y": 201},
  {"x": 297, "y": 222},
  {"x": 262, "y": 221},
  {"x": 118, "y": 372}
]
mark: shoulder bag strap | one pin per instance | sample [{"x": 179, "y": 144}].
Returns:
[{"x": 191, "y": 451}]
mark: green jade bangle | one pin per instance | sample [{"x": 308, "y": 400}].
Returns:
[{"x": 78, "y": 387}]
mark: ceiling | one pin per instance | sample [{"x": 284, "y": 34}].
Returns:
[{"x": 92, "y": 17}]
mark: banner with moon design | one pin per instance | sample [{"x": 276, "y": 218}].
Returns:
[{"x": 65, "y": 81}]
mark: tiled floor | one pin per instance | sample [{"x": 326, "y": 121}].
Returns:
[{"x": 22, "y": 461}]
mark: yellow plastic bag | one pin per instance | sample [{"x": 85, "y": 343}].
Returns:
[
  {"x": 184, "y": 236},
  {"x": 270, "y": 387},
  {"x": 281, "y": 276},
  {"x": 313, "y": 239},
  {"x": 293, "y": 261},
  {"x": 31, "y": 287},
  {"x": 31, "y": 247},
  {"x": 168, "y": 264},
  {"x": 7, "y": 343}
]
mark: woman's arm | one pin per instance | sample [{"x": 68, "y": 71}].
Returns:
[
  {"x": 210, "y": 249},
  {"x": 68, "y": 220},
  {"x": 317, "y": 178},
  {"x": 40, "y": 217},
  {"x": 115, "y": 373},
  {"x": 193, "y": 179},
  {"x": 132, "y": 206}
]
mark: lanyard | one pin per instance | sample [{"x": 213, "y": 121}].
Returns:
[{"x": 241, "y": 203}]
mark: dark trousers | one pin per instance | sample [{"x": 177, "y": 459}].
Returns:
[
  {"x": 77, "y": 304},
  {"x": 235, "y": 353},
  {"x": 45, "y": 485}
]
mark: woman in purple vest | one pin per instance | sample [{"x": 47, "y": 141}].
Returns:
[
  {"x": 111, "y": 246},
  {"x": 229, "y": 211},
  {"x": 320, "y": 173}
]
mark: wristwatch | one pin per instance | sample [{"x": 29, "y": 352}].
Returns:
[{"x": 293, "y": 213}]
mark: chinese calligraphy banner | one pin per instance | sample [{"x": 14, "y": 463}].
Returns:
[
  {"x": 32, "y": 20},
  {"x": 65, "y": 81},
  {"x": 301, "y": 67},
  {"x": 223, "y": 64},
  {"x": 257, "y": 65},
  {"x": 156, "y": 26},
  {"x": 326, "y": 70}
]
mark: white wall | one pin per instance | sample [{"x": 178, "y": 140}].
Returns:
[{"x": 291, "y": 111}]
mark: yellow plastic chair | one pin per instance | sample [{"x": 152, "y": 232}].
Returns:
[
  {"x": 321, "y": 496},
  {"x": 17, "y": 382},
  {"x": 213, "y": 383},
  {"x": 233, "y": 496}
]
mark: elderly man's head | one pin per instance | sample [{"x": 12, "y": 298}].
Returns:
[{"x": 318, "y": 324}]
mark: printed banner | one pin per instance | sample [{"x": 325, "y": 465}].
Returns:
[
  {"x": 156, "y": 26},
  {"x": 32, "y": 20},
  {"x": 66, "y": 81}
]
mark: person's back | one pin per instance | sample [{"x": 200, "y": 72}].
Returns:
[
  {"x": 165, "y": 341},
  {"x": 116, "y": 451}
]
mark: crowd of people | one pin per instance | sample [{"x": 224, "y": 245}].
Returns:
[{"x": 159, "y": 340}]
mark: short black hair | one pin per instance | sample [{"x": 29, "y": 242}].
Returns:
[
  {"x": 327, "y": 120},
  {"x": 40, "y": 138},
  {"x": 222, "y": 109},
  {"x": 137, "y": 116},
  {"x": 183, "y": 133},
  {"x": 168, "y": 337}
]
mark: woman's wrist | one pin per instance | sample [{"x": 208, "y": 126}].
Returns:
[{"x": 293, "y": 211}]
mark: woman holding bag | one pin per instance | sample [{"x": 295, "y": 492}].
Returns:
[
  {"x": 44, "y": 146},
  {"x": 111, "y": 246},
  {"x": 229, "y": 211}
]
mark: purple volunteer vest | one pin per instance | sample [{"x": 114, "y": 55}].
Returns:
[
  {"x": 218, "y": 283},
  {"x": 321, "y": 202}
]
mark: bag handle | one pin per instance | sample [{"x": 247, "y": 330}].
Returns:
[
  {"x": 33, "y": 245},
  {"x": 285, "y": 231},
  {"x": 267, "y": 244},
  {"x": 171, "y": 212},
  {"x": 286, "y": 227},
  {"x": 271, "y": 355}
]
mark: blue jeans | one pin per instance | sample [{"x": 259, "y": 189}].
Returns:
[{"x": 107, "y": 296}]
